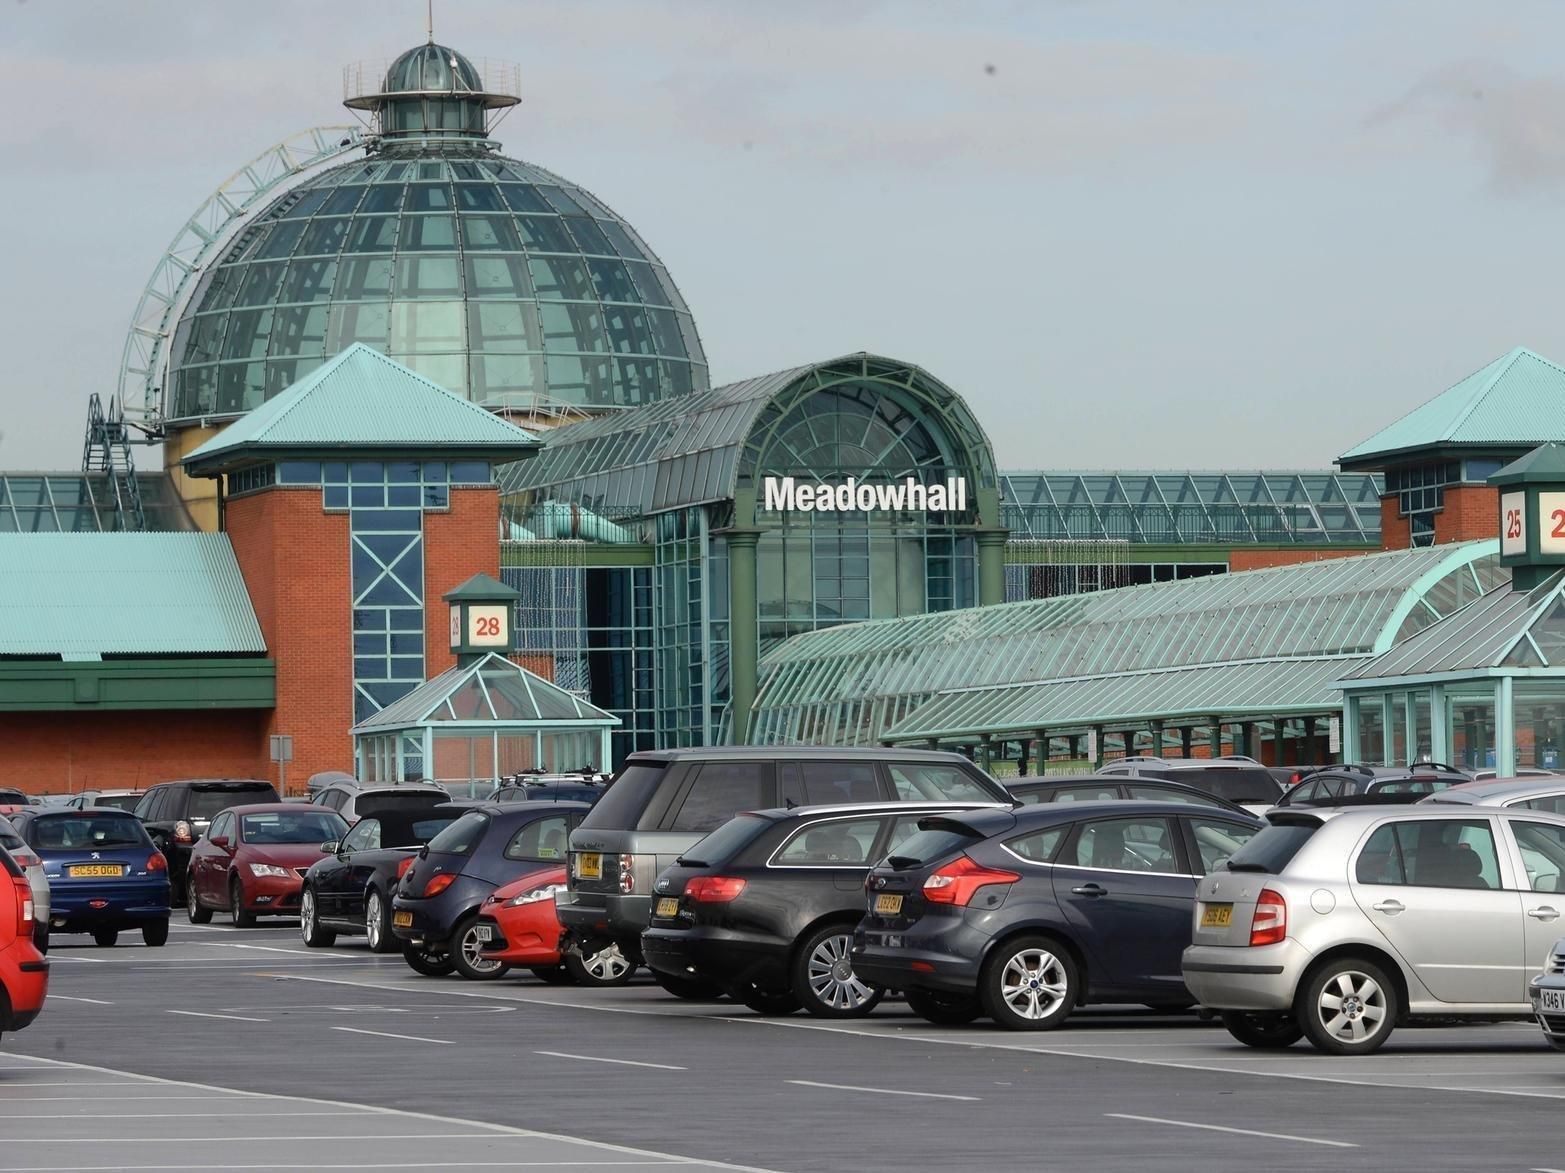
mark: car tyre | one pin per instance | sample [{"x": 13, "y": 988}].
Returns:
[
  {"x": 553, "y": 975},
  {"x": 198, "y": 913},
  {"x": 155, "y": 934},
  {"x": 607, "y": 966},
  {"x": 236, "y": 903},
  {"x": 823, "y": 978},
  {"x": 691, "y": 989},
  {"x": 771, "y": 1003},
  {"x": 106, "y": 937},
  {"x": 1347, "y": 1007},
  {"x": 310, "y": 928},
  {"x": 1267, "y": 1032},
  {"x": 943, "y": 1009},
  {"x": 468, "y": 957},
  {"x": 427, "y": 962},
  {"x": 377, "y": 923},
  {"x": 1029, "y": 983}
]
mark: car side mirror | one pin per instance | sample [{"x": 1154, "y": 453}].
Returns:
[
  {"x": 331, "y": 847},
  {"x": 220, "y": 841}
]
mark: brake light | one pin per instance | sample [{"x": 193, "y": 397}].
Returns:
[
  {"x": 627, "y": 873},
  {"x": 24, "y": 905},
  {"x": 959, "y": 880},
  {"x": 404, "y": 865},
  {"x": 182, "y": 833},
  {"x": 157, "y": 862},
  {"x": 714, "y": 889},
  {"x": 439, "y": 883},
  {"x": 1270, "y": 923}
]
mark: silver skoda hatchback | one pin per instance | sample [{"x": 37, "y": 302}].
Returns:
[{"x": 1338, "y": 924}]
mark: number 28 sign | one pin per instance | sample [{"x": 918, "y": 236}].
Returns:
[
  {"x": 488, "y": 625},
  {"x": 1550, "y": 523}
]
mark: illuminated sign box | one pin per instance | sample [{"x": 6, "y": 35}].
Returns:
[{"x": 787, "y": 494}]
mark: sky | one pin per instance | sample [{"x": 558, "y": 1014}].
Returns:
[{"x": 1131, "y": 234}]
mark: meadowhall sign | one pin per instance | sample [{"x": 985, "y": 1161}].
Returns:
[{"x": 906, "y": 496}]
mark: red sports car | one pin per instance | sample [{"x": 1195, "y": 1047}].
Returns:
[
  {"x": 252, "y": 859},
  {"x": 24, "y": 974},
  {"x": 524, "y": 929}
]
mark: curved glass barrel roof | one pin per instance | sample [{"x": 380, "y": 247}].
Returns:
[
  {"x": 491, "y": 277},
  {"x": 859, "y": 413},
  {"x": 1264, "y": 642},
  {"x": 1178, "y": 508}
]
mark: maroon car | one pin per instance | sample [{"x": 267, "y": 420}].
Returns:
[{"x": 252, "y": 859}]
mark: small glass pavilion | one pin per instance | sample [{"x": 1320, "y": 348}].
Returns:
[{"x": 477, "y": 723}]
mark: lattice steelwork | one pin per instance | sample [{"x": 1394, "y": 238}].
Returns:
[
  {"x": 82, "y": 502},
  {"x": 1234, "y": 508}
]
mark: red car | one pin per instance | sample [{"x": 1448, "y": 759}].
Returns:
[
  {"x": 524, "y": 930},
  {"x": 24, "y": 974},
  {"x": 252, "y": 859}
]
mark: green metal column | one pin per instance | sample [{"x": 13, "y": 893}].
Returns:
[
  {"x": 1157, "y": 739},
  {"x": 1215, "y": 736},
  {"x": 991, "y": 564},
  {"x": 1097, "y": 747},
  {"x": 1186, "y": 736},
  {"x": 744, "y": 647},
  {"x": 985, "y": 759}
]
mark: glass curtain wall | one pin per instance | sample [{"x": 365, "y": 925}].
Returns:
[{"x": 1539, "y": 707}]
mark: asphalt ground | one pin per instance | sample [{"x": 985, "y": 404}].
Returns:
[{"x": 235, "y": 1049}]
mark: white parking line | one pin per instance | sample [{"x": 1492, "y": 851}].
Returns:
[
  {"x": 58, "y": 956},
  {"x": 68, "y": 998},
  {"x": 600, "y": 1059},
  {"x": 353, "y": 1030},
  {"x": 1336, "y": 1144},
  {"x": 230, "y": 1017},
  {"x": 247, "y": 1113},
  {"x": 314, "y": 1165},
  {"x": 317, "y": 953},
  {"x": 883, "y": 1091}
]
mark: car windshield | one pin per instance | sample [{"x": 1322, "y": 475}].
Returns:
[
  {"x": 1273, "y": 847},
  {"x": 206, "y": 801},
  {"x": 302, "y": 826},
  {"x": 461, "y": 836},
  {"x": 92, "y": 832},
  {"x": 1239, "y": 785}
]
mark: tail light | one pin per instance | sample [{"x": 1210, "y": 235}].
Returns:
[
  {"x": 714, "y": 889},
  {"x": 1270, "y": 923},
  {"x": 403, "y": 866},
  {"x": 959, "y": 880},
  {"x": 157, "y": 862},
  {"x": 182, "y": 833},
  {"x": 627, "y": 873},
  {"x": 24, "y": 905},
  {"x": 438, "y": 884},
  {"x": 26, "y": 859}
]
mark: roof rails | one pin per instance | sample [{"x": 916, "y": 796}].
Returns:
[
  {"x": 1438, "y": 767},
  {"x": 1236, "y": 757}
]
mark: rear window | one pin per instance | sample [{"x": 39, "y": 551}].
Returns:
[
  {"x": 9, "y": 839},
  {"x": 206, "y": 801},
  {"x": 302, "y": 826},
  {"x": 89, "y": 832},
  {"x": 1413, "y": 786},
  {"x": 12, "y": 798},
  {"x": 720, "y": 791},
  {"x": 727, "y": 841},
  {"x": 1273, "y": 847},
  {"x": 120, "y": 802},
  {"x": 1235, "y": 785},
  {"x": 632, "y": 789},
  {"x": 934, "y": 840},
  {"x": 461, "y": 836}
]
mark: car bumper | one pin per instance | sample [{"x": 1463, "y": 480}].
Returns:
[
  {"x": 264, "y": 895},
  {"x": 96, "y": 906},
  {"x": 727, "y": 958},
  {"x": 1261, "y": 977},
  {"x": 597, "y": 915},
  {"x": 900, "y": 961},
  {"x": 25, "y": 974},
  {"x": 523, "y": 940},
  {"x": 1550, "y": 1018}
]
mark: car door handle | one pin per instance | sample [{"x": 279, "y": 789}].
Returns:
[
  {"x": 1389, "y": 907},
  {"x": 1090, "y": 890},
  {"x": 1545, "y": 913}
]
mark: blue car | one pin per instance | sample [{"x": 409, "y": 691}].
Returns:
[{"x": 104, "y": 872}]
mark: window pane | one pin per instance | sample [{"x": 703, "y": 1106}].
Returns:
[
  {"x": 913, "y": 781},
  {"x": 1039, "y": 846},
  {"x": 826, "y": 782},
  {"x": 841, "y": 841},
  {"x": 1543, "y": 852},
  {"x": 721, "y": 790},
  {"x": 1126, "y": 845},
  {"x": 1218, "y": 840},
  {"x": 539, "y": 839},
  {"x": 1085, "y": 793}
]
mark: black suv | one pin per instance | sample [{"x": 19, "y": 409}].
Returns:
[
  {"x": 1356, "y": 785},
  {"x": 176, "y": 814},
  {"x": 663, "y": 801},
  {"x": 1238, "y": 779}
]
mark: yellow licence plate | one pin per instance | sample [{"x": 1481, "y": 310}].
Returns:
[
  {"x": 668, "y": 906},
  {"x": 589, "y": 866},
  {"x": 888, "y": 905},
  {"x": 402, "y": 920},
  {"x": 96, "y": 869},
  {"x": 1216, "y": 916}
]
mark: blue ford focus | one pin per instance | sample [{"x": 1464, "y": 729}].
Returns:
[{"x": 104, "y": 873}]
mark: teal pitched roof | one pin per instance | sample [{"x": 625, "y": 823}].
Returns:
[
  {"x": 84, "y": 595},
  {"x": 360, "y": 399},
  {"x": 1518, "y": 399}
]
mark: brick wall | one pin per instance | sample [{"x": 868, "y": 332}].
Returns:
[
  {"x": 1240, "y": 559},
  {"x": 457, "y": 545},
  {"x": 1471, "y": 511},
  {"x": 59, "y": 752},
  {"x": 1395, "y": 532}
]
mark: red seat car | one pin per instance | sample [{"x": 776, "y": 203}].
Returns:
[
  {"x": 523, "y": 928},
  {"x": 24, "y": 974},
  {"x": 253, "y": 858}
]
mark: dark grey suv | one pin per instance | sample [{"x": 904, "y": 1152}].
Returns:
[{"x": 664, "y": 801}]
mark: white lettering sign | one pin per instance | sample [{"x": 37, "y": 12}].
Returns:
[{"x": 907, "y": 496}]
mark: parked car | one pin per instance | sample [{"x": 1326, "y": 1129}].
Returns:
[
  {"x": 104, "y": 873},
  {"x": 354, "y": 800},
  {"x": 253, "y": 859},
  {"x": 1238, "y": 779},
  {"x": 31, "y": 863},
  {"x": 350, "y": 889},
  {"x": 1492, "y": 775},
  {"x": 1345, "y": 785},
  {"x": 176, "y": 814},
  {"x": 1110, "y": 787},
  {"x": 318, "y": 782},
  {"x": 586, "y": 788},
  {"x": 12, "y": 799},
  {"x": 1538, "y": 792},
  {"x": 435, "y": 910},
  {"x": 662, "y": 802},
  {"x": 1339, "y": 924},
  {"x": 1024, "y": 915},
  {"x": 764, "y": 907},
  {"x": 24, "y": 972},
  {"x": 517, "y": 925},
  {"x": 1547, "y": 994},
  {"x": 123, "y": 800}
]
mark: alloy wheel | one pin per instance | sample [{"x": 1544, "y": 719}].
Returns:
[
  {"x": 606, "y": 965},
  {"x": 473, "y": 962},
  {"x": 1352, "y": 1007},
  {"x": 1033, "y": 983},
  {"x": 374, "y": 922},
  {"x": 831, "y": 978}
]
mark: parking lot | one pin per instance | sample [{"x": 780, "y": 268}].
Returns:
[{"x": 241, "y": 1049}]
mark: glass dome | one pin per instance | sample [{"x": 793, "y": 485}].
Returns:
[{"x": 489, "y": 276}]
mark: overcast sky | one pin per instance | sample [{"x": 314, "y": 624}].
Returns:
[{"x": 1132, "y": 235}]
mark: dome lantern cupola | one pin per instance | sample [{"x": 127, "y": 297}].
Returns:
[{"x": 432, "y": 91}]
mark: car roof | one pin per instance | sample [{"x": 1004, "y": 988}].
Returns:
[
  {"x": 782, "y": 814},
  {"x": 789, "y": 752},
  {"x": 1416, "y": 810},
  {"x": 1502, "y": 788},
  {"x": 514, "y": 809},
  {"x": 1045, "y": 814},
  {"x": 236, "y": 783},
  {"x": 257, "y": 808}
]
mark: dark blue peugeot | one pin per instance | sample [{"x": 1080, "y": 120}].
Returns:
[
  {"x": 104, "y": 873},
  {"x": 1022, "y": 915}
]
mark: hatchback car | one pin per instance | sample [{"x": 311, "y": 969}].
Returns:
[
  {"x": 435, "y": 911},
  {"x": 517, "y": 925},
  {"x": 176, "y": 814},
  {"x": 253, "y": 859},
  {"x": 1238, "y": 779},
  {"x": 24, "y": 973},
  {"x": 1346, "y": 785},
  {"x": 764, "y": 907},
  {"x": 104, "y": 873},
  {"x": 354, "y": 800},
  {"x": 1110, "y": 787},
  {"x": 1338, "y": 924},
  {"x": 31, "y": 863},
  {"x": 1538, "y": 792},
  {"x": 350, "y": 890},
  {"x": 1024, "y": 915}
]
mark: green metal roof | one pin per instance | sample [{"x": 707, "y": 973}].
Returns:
[
  {"x": 1116, "y": 656},
  {"x": 361, "y": 399},
  {"x": 85, "y": 595},
  {"x": 489, "y": 692},
  {"x": 1519, "y": 399}
]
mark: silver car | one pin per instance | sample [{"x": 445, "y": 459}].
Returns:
[
  {"x": 1537, "y": 791},
  {"x": 28, "y": 860},
  {"x": 1338, "y": 924}
]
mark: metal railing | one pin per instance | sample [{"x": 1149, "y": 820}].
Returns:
[{"x": 367, "y": 79}]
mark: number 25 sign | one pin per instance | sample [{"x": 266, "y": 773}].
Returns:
[{"x": 1550, "y": 523}]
